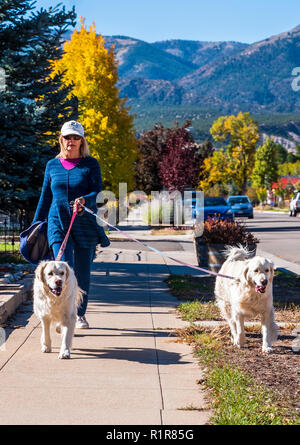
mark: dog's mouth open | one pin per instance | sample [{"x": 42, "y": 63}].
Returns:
[
  {"x": 260, "y": 289},
  {"x": 56, "y": 290}
]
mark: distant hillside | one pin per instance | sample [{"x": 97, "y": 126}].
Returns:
[
  {"x": 152, "y": 91},
  {"x": 138, "y": 59},
  {"x": 225, "y": 76},
  {"x": 283, "y": 128},
  {"x": 200, "y": 53},
  {"x": 202, "y": 80},
  {"x": 285, "y": 133},
  {"x": 257, "y": 79}
]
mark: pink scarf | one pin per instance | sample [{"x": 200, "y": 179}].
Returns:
[{"x": 68, "y": 164}]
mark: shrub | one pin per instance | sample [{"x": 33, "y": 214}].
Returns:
[{"x": 227, "y": 232}]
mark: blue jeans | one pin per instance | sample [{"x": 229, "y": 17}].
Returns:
[{"x": 81, "y": 261}]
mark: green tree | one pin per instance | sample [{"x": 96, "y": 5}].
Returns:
[
  {"x": 241, "y": 134},
  {"x": 261, "y": 194},
  {"x": 265, "y": 171},
  {"x": 289, "y": 169},
  {"x": 33, "y": 107},
  {"x": 291, "y": 158},
  {"x": 205, "y": 151},
  {"x": 281, "y": 153}
]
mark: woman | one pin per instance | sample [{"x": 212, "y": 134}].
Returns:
[{"x": 72, "y": 177}]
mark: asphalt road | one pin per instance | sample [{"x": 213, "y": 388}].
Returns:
[{"x": 279, "y": 234}]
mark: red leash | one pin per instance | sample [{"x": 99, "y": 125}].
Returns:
[{"x": 64, "y": 243}]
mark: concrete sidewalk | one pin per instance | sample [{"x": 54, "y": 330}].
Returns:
[{"x": 127, "y": 369}]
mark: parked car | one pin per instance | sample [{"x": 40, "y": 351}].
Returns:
[
  {"x": 241, "y": 206},
  {"x": 214, "y": 207},
  {"x": 295, "y": 204},
  {"x": 218, "y": 208}
]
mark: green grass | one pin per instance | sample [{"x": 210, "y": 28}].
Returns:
[
  {"x": 199, "y": 310},
  {"x": 9, "y": 247},
  {"x": 186, "y": 285},
  {"x": 10, "y": 253},
  {"x": 287, "y": 279},
  {"x": 197, "y": 293},
  {"x": 14, "y": 258},
  {"x": 237, "y": 399}
]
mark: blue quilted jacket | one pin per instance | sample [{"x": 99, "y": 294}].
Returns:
[{"x": 62, "y": 186}]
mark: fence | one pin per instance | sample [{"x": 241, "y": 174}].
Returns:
[{"x": 10, "y": 228}]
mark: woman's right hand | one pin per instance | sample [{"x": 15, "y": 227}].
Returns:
[{"x": 77, "y": 205}]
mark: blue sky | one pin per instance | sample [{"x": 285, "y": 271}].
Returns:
[{"x": 210, "y": 20}]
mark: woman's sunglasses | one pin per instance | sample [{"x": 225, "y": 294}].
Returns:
[{"x": 72, "y": 136}]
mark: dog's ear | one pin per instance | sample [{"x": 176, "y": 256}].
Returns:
[
  {"x": 67, "y": 271},
  {"x": 39, "y": 273},
  {"x": 271, "y": 264},
  {"x": 245, "y": 278}
]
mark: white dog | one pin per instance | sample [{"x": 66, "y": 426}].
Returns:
[
  {"x": 248, "y": 296},
  {"x": 56, "y": 298}
]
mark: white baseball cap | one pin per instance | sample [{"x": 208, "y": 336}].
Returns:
[{"x": 72, "y": 127}]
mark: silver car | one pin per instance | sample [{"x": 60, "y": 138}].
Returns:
[{"x": 295, "y": 204}]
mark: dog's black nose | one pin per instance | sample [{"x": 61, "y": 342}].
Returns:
[
  {"x": 58, "y": 282},
  {"x": 264, "y": 283}
]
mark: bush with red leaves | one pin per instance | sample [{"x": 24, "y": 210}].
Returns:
[{"x": 227, "y": 232}]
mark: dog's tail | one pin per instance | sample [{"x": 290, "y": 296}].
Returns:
[
  {"x": 238, "y": 253},
  {"x": 78, "y": 296}
]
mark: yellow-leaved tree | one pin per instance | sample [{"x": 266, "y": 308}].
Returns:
[
  {"x": 92, "y": 70},
  {"x": 236, "y": 162},
  {"x": 214, "y": 170}
]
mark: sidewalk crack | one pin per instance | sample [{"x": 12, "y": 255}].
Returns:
[{"x": 155, "y": 343}]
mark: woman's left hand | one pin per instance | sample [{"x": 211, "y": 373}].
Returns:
[{"x": 79, "y": 200}]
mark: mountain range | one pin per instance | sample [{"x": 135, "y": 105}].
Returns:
[
  {"x": 220, "y": 76},
  {"x": 186, "y": 79}
]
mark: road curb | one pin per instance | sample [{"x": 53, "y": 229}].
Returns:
[
  {"x": 13, "y": 295},
  {"x": 272, "y": 212},
  {"x": 215, "y": 323}
]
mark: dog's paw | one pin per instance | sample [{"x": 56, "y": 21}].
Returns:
[
  {"x": 267, "y": 350},
  {"x": 237, "y": 343},
  {"x": 65, "y": 354},
  {"x": 46, "y": 348}
]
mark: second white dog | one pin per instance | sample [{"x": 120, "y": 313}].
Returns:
[
  {"x": 248, "y": 296},
  {"x": 56, "y": 298}
]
